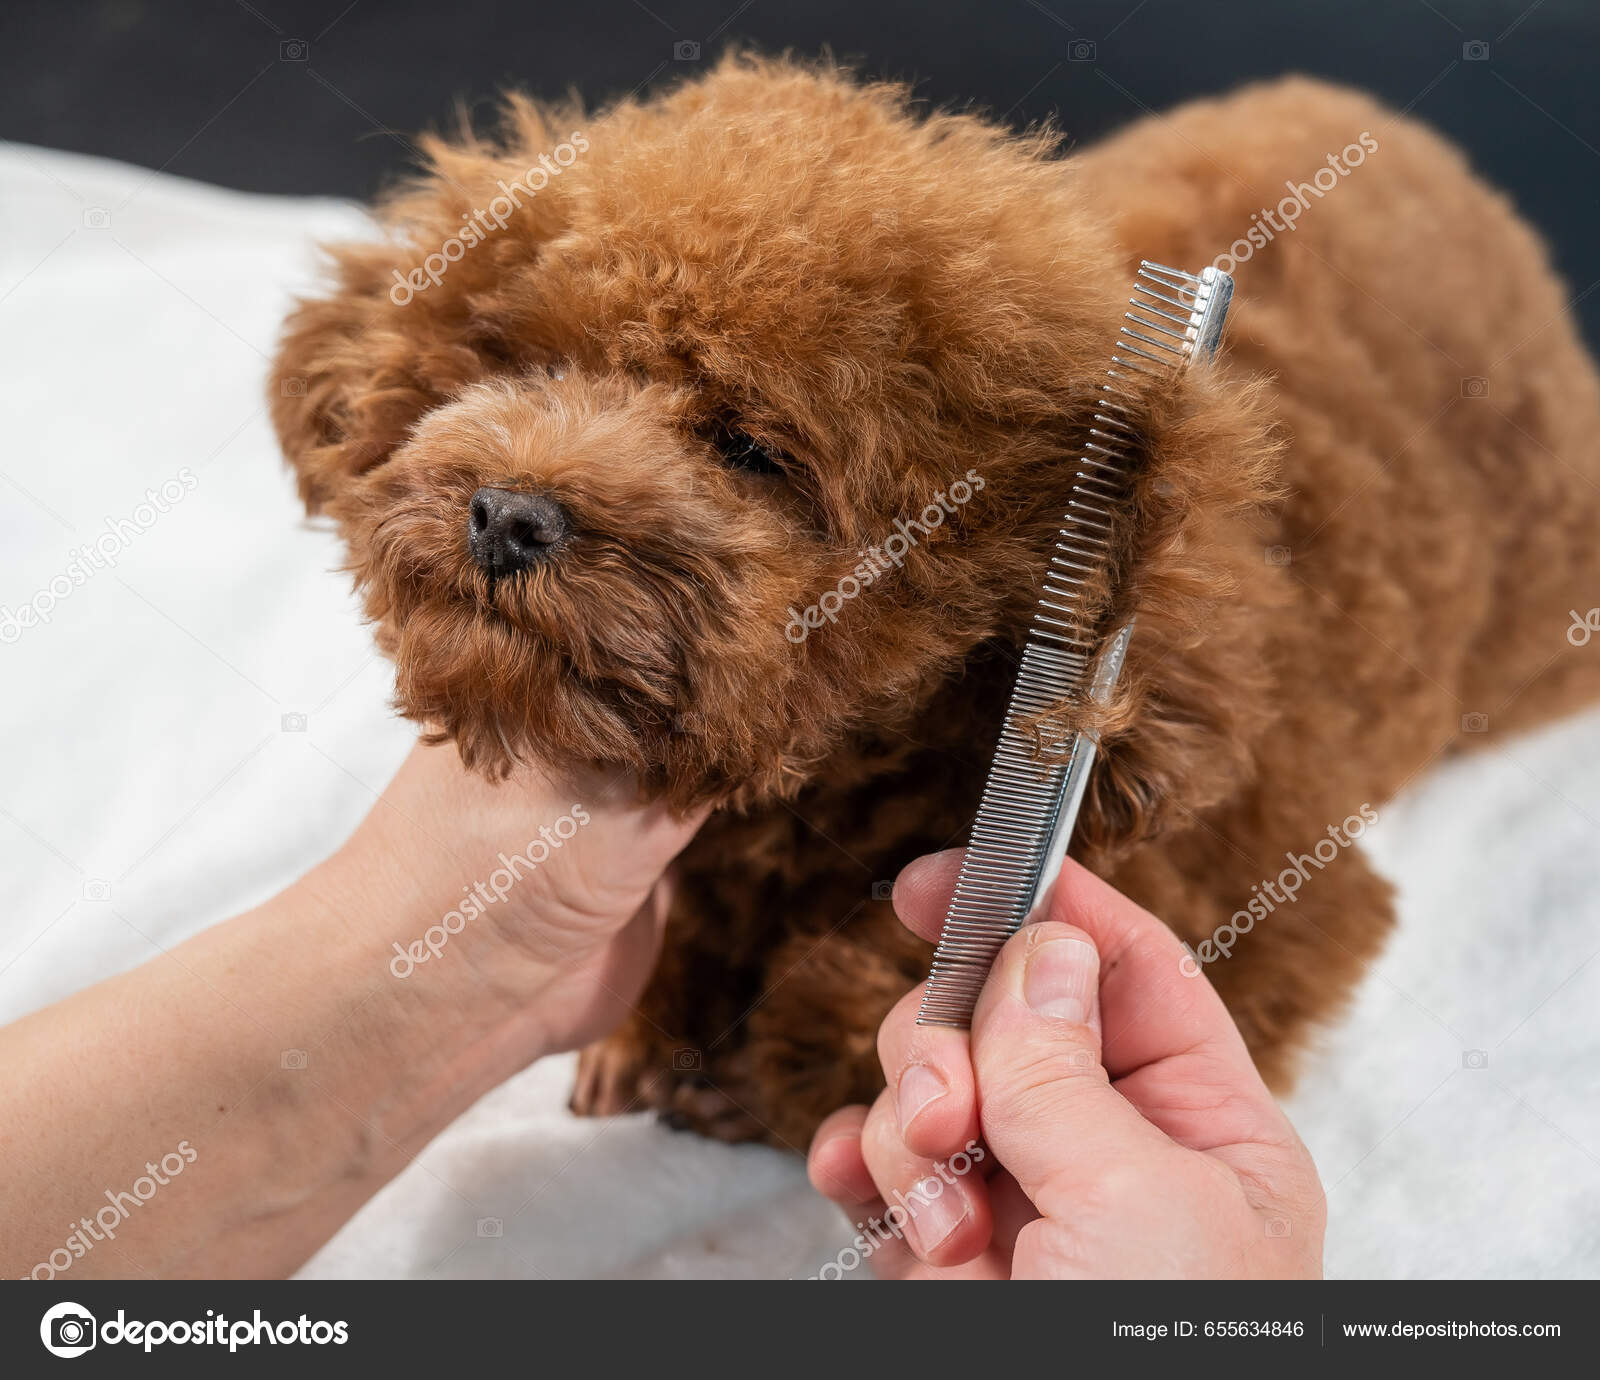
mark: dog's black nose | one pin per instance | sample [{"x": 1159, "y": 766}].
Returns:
[{"x": 508, "y": 531}]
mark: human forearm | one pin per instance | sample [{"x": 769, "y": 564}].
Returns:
[
  {"x": 293, "y": 1059},
  {"x": 279, "y": 1050}
]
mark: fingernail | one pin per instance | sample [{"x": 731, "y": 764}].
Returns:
[
  {"x": 1059, "y": 980},
  {"x": 920, "y": 1086},
  {"x": 936, "y": 1209}
]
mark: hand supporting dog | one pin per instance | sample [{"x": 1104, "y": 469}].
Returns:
[
  {"x": 295, "y": 1054},
  {"x": 1135, "y": 1138}
]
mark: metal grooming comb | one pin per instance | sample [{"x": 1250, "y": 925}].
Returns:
[{"x": 1030, "y": 805}]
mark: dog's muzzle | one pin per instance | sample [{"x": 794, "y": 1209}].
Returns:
[{"x": 509, "y": 531}]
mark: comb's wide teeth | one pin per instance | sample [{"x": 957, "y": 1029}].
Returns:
[{"x": 1172, "y": 317}]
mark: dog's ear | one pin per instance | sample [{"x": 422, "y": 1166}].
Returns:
[
  {"x": 409, "y": 320},
  {"x": 1196, "y": 693},
  {"x": 346, "y": 386}
]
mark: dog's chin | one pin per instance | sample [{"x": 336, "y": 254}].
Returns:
[{"x": 506, "y": 693}]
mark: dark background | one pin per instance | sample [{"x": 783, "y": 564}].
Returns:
[{"x": 292, "y": 96}]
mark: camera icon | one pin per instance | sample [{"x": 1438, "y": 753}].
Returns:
[
  {"x": 1475, "y": 1059},
  {"x": 96, "y": 890},
  {"x": 886, "y": 219},
  {"x": 293, "y": 723},
  {"x": 491, "y": 1227},
  {"x": 1474, "y": 723},
  {"x": 882, "y": 891},
  {"x": 1278, "y": 1226},
  {"x": 1474, "y": 387},
  {"x": 1081, "y": 50},
  {"x": 293, "y": 50},
  {"x": 68, "y": 1329},
  {"x": 294, "y": 1059},
  {"x": 686, "y": 1061},
  {"x": 73, "y": 1329},
  {"x": 1475, "y": 50},
  {"x": 1278, "y": 555},
  {"x": 686, "y": 50},
  {"x": 97, "y": 217},
  {"x": 293, "y": 387}
]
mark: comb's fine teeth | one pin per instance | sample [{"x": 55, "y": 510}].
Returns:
[{"x": 1172, "y": 317}]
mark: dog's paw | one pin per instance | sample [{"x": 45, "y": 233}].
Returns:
[
  {"x": 709, "y": 1111},
  {"x": 616, "y": 1077},
  {"x": 620, "y": 1075}
]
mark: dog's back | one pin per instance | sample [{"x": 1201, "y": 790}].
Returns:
[{"x": 1442, "y": 413}]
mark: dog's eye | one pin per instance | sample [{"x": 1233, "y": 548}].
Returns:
[{"x": 741, "y": 451}]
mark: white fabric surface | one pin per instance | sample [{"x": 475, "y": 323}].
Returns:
[{"x": 147, "y": 762}]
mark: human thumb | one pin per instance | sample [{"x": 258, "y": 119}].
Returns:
[{"x": 1047, "y": 1108}]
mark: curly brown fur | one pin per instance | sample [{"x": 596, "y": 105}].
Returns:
[{"x": 888, "y": 301}]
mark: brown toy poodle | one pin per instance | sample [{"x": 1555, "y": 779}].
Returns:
[{"x": 722, "y": 437}]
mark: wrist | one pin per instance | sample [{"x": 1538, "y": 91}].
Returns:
[
  {"x": 438, "y": 971},
  {"x": 481, "y": 926},
  {"x": 365, "y": 1067}
]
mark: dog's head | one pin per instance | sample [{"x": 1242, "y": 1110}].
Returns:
[{"x": 691, "y": 437}]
